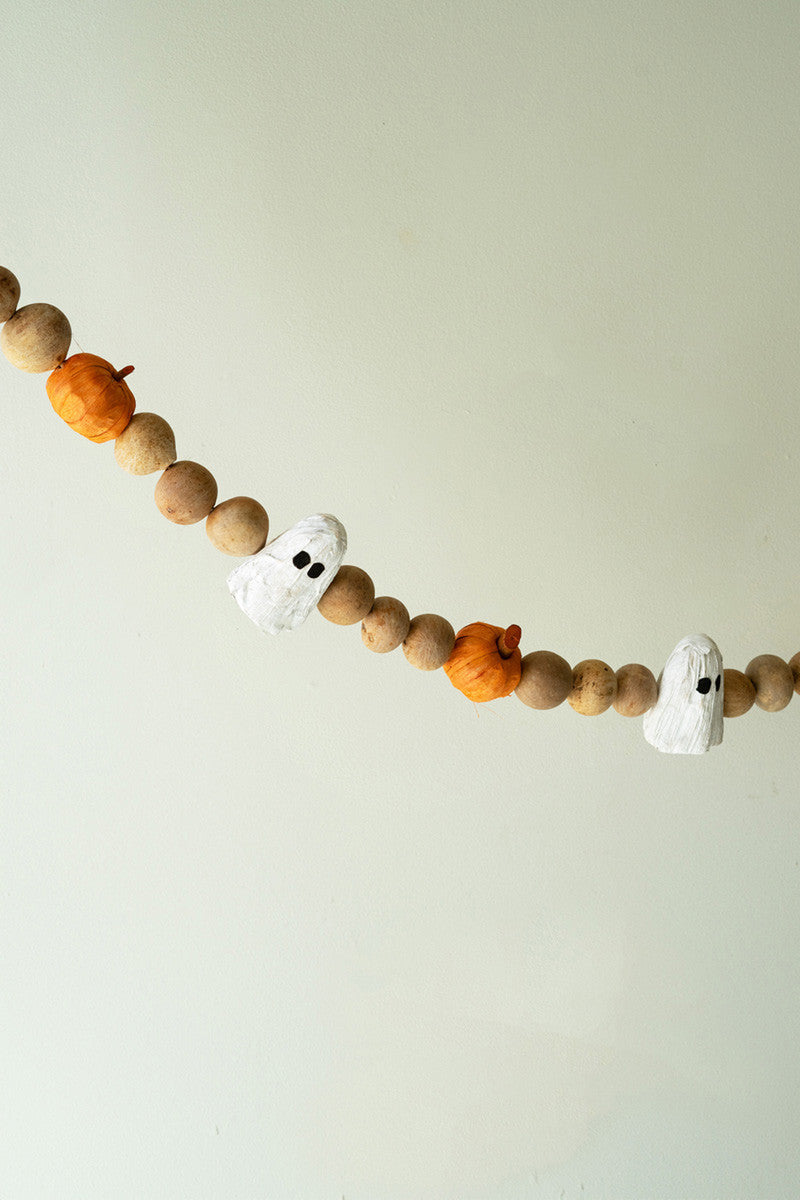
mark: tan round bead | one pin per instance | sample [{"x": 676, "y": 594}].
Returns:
[
  {"x": 738, "y": 693},
  {"x": 36, "y": 338},
  {"x": 594, "y": 687},
  {"x": 238, "y": 526},
  {"x": 147, "y": 444},
  {"x": 637, "y": 690},
  {"x": 546, "y": 680},
  {"x": 9, "y": 293},
  {"x": 429, "y": 642},
  {"x": 349, "y": 596},
  {"x": 774, "y": 681},
  {"x": 385, "y": 626},
  {"x": 794, "y": 663},
  {"x": 186, "y": 493}
]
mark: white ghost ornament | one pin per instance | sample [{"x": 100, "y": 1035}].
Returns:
[
  {"x": 278, "y": 587},
  {"x": 687, "y": 717}
]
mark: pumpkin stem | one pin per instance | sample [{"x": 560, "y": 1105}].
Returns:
[
  {"x": 508, "y": 641},
  {"x": 121, "y": 374}
]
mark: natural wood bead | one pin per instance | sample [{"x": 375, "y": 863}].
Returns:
[
  {"x": 774, "y": 681},
  {"x": 349, "y": 596},
  {"x": 738, "y": 693},
  {"x": 594, "y": 687},
  {"x": 186, "y": 493},
  {"x": 385, "y": 626},
  {"x": 36, "y": 338},
  {"x": 238, "y": 526},
  {"x": 637, "y": 690},
  {"x": 146, "y": 445},
  {"x": 429, "y": 642},
  {"x": 794, "y": 663},
  {"x": 546, "y": 680},
  {"x": 9, "y": 293}
]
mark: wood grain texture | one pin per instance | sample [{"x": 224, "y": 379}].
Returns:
[
  {"x": 238, "y": 526},
  {"x": 146, "y": 445},
  {"x": 186, "y": 492},
  {"x": 9, "y": 293},
  {"x": 545, "y": 680},
  {"x": 429, "y": 642},
  {"x": 740, "y": 693},
  {"x": 386, "y": 625},
  {"x": 637, "y": 690},
  {"x": 37, "y": 338},
  {"x": 773, "y": 680},
  {"x": 349, "y": 597},
  {"x": 594, "y": 686}
]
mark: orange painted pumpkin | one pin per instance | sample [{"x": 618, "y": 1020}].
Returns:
[
  {"x": 486, "y": 662},
  {"x": 91, "y": 396}
]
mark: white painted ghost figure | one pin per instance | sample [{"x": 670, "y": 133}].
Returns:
[
  {"x": 278, "y": 587},
  {"x": 687, "y": 717}
]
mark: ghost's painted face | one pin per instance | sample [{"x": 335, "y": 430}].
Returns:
[
  {"x": 279, "y": 586},
  {"x": 687, "y": 717}
]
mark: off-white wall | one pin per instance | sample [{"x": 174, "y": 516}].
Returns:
[{"x": 512, "y": 289}]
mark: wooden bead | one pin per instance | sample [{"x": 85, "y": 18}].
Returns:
[
  {"x": 774, "y": 681},
  {"x": 36, "y": 338},
  {"x": 238, "y": 526},
  {"x": 738, "y": 693},
  {"x": 385, "y": 626},
  {"x": 429, "y": 642},
  {"x": 9, "y": 293},
  {"x": 146, "y": 445},
  {"x": 546, "y": 680},
  {"x": 349, "y": 596},
  {"x": 794, "y": 663},
  {"x": 594, "y": 687},
  {"x": 186, "y": 493},
  {"x": 637, "y": 690}
]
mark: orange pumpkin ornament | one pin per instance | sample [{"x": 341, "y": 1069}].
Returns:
[
  {"x": 486, "y": 662},
  {"x": 91, "y": 396}
]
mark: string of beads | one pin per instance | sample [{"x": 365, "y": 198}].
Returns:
[{"x": 483, "y": 661}]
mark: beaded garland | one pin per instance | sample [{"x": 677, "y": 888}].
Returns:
[{"x": 683, "y": 709}]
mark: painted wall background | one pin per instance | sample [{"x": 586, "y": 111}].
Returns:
[{"x": 512, "y": 289}]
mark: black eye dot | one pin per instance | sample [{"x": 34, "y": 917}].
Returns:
[
  {"x": 315, "y": 571},
  {"x": 717, "y": 682},
  {"x": 704, "y": 686},
  {"x": 302, "y": 559}
]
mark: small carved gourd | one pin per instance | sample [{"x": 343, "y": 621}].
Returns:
[
  {"x": 486, "y": 662},
  {"x": 91, "y": 396}
]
